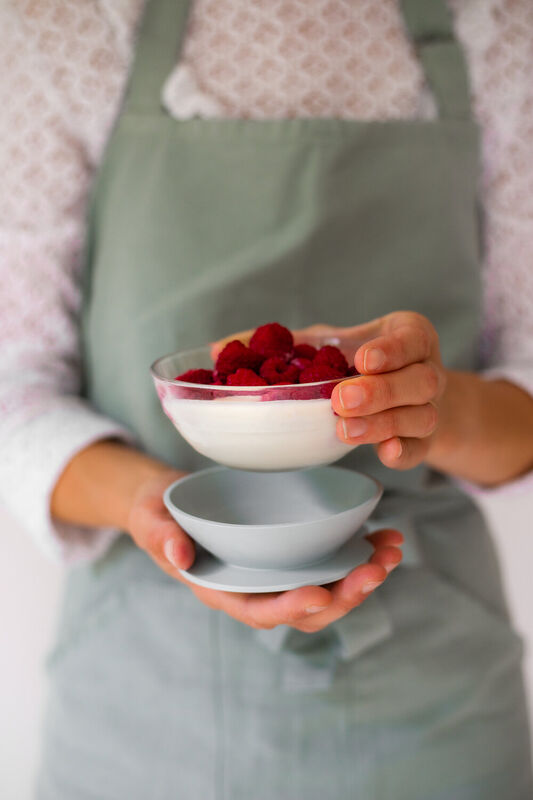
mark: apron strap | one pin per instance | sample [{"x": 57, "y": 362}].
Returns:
[
  {"x": 157, "y": 50},
  {"x": 430, "y": 25},
  {"x": 428, "y": 22}
]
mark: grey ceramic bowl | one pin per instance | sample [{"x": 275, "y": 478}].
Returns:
[{"x": 272, "y": 520}]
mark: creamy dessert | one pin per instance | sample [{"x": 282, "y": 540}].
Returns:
[
  {"x": 263, "y": 405},
  {"x": 259, "y": 435}
]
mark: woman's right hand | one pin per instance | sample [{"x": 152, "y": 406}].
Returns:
[{"x": 309, "y": 608}]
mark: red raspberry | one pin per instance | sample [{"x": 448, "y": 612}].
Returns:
[
  {"x": 272, "y": 340},
  {"x": 275, "y": 370},
  {"x": 234, "y": 356},
  {"x": 331, "y": 357},
  {"x": 196, "y": 376},
  {"x": 245, "y": 377},
  {"x": 301, "y": 363},
  {"x": 305, "y": 351},
  {"x": 319, "y": 372}
]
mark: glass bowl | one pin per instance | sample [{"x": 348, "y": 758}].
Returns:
[{"x": 259, "y": 428}]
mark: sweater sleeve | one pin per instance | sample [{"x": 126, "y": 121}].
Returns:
[
  {"x": 498, "y": 39},
  {"x": 50, "y": 143}
]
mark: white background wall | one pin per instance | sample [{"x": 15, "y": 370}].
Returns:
[{"x": 29, "y": 593}]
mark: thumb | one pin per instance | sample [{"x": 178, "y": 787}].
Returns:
[{"x": 365, "y": 331}]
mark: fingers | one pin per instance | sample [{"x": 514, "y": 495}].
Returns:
[
  {"x": 320, "y": 329},
  {"x": 157, "y": 533},
  {"x": 352, "y": 590},
  {"x": 310, "y": 607},
  {"x": 416, "y": 384},
  {"x": 396, "y": 407},
  {"x": 387, "y": 557},
  {"x": 407, "y": 344},
  {"x": 402, "y": 454},
  {"x": 387, "y": 552},
  {"x": 268, "y": 610},
  {"x": 362, "y": 581},
  {"x": 407, "y": 421},
  {"x": 347, "y": 594},
  {"x": 384, "y": 326},
  {"x": 154, "y": 530},
  {"x": 178, "y": 551},
  {"x": 387, "y": 537}
]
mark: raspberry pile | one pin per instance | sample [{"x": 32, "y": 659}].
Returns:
[{"x": 272, "y": 359}]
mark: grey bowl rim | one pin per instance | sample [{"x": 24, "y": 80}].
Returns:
[{"x": 238, "y": 525}]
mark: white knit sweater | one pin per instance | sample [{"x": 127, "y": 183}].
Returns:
[{"x": 62, "y": 71}]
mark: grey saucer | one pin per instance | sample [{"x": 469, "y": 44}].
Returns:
[{"x": 212, "y": 573}]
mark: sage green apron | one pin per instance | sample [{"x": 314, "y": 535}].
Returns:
[{"x": 203, "y": 227}]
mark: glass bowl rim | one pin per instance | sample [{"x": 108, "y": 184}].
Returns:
[{"x": 236, "y": 389}]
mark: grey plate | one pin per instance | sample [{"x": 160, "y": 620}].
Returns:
[{"x": 212, "y": 573}]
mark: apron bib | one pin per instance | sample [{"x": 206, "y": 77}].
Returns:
[{"x": 203, "y": 227}]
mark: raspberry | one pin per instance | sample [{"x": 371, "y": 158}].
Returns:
[
  {"x": 332, "y": 357},
  {"x": 245, "y": 377},
  {"x": 272, "y": 340},
  {"x": 301, "y": 363},
  {"x": 305, "y": 351},
  {"x": 234, "y": 356},
  {"x": 196, "y": 376},
  {"x": 275, "y": 370},
  {"x": 319, "y": 372}
]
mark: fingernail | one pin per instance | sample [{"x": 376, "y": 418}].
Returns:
[
  {"x": 315, "y": 609},
  {"x": 354, "y": 427},
  {"x": 374, "y": 359},
  {"x": 351, "y": 396},
  {"x": 370, "y": 586},
  {"x": 187, "y": 554},
  {"x": 170, "y": 550}
]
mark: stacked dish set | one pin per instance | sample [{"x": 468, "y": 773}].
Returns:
[{"x": 275, "y": 516}]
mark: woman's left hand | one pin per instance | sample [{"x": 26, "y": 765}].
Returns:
[{"x": 394, "y": 403}]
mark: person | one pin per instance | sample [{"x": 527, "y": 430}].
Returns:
[{"x": 307, "y": 190}]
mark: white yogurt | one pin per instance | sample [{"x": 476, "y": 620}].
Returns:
[{"x": 259, "y": 435}]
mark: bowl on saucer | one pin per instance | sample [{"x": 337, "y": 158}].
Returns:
[{"x": 274, "y": 520}]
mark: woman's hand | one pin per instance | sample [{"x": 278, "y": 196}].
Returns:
[
  {"x": 394, "y": 403},
  {"x": 412, "y": 409},
  {"x": 415, "y": 410},
  {"x": 309, "y": 608},
  {"x": 154, "y": 530}
]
